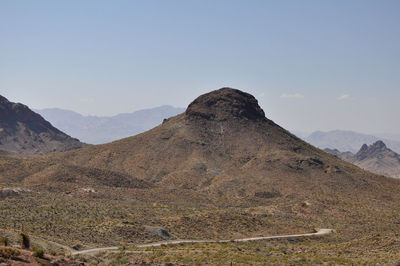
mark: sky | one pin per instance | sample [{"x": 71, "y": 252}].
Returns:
[{"x": 312, "y": 65}]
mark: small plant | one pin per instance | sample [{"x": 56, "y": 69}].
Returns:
[
  {"x": 53, "y": 252},
  {"x": 38, "y": 252},
  {"x": 24, "y": 240},
  {"x": 4, "y": 241}
]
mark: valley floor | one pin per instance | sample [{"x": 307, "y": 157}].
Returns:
[{"x": 64, "y": 222}]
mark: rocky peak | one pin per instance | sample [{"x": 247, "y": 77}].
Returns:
[
  {"x": 225, "y": 104},
  {"x": 3, "y": 100},
  {"x": 379, "y": 145},
  {"x": 374, "y": 149},
  {"x": 364, "y": 148}
]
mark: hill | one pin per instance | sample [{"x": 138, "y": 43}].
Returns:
[
  {"x": 24, "y": 132},
  {"x": 376, "y": 158},
  {"x": 222, "y": 144},
  {"x": 220, "y": 170},
  {"x": 102, "y": 129},
  {"x": 346, "y": 140}
]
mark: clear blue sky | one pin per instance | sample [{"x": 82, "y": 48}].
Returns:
[{"x": 312, "y": 64}]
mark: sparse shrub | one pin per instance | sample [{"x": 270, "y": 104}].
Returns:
[
  {"x": 53, "y": 252},
  {"x": 4, "y": 241},
  {"x": 9, "y": 253},
  {"x": 167, "y": 259},
  {"x": 77, "y": 246},
  {"x": 267, "y": 194},
  {"x": 38, "y": 252},
  {"x": 24, "y": 240}
]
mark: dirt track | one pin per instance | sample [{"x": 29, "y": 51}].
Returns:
[{"x": 320, "y": 232}]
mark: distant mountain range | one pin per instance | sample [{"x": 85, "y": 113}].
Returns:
[
  {"x": 98, "y": 130},
  {"x": 24, "y": 132},
  {"x": 347, "y": 140},
  {"x": 376, "y": 158}
]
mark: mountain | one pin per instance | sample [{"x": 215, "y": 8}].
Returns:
[
  {"x": 220, "y": 170},
  {"x": 347, "y": 156},
  {"x": 376, "y": 158},
  {"x": 346, "y": 140},
  {"x": 223, "y": 143},
  {"x": 97, "y": 130},
  {"x": 25, "y": 132}
]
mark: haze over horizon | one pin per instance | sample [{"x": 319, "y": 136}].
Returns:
[{"x": 312, "y": 65}]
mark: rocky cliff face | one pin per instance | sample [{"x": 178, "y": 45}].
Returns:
[{"x": 24, "y": 132}]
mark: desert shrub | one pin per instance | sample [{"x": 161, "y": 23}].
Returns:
[
  {"x": 4, "y": 241},
  {"x": 24, "y": 240},
  {"x": 53, "y": 252},
  {"x": 268, "y": 194},
  {"x": 38, "y": 252},
  {"x": 9, "y": 253}
]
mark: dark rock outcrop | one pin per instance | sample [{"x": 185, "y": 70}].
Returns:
[{"x": 225, "y": 104}]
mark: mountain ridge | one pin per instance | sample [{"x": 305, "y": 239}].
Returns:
[
  {"x": 24, "y": 132},
  {"x": 346, "y": 140},
  {"x": 377, "y": 158},
  {"x": 103, "y": 129},
  {"x": 221, "y": 132}
]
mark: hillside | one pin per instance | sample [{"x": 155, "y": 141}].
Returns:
[
  {"x": 347, "y": 140},
  {"x": 219, "y": 170},
  {"x": 222, "y": 144},
  {"x": 376, "y": 158},
  {"x": 24, "y": 132},
  {"x": 103, "y": 129},
  {"x": 17, "y": 256}
]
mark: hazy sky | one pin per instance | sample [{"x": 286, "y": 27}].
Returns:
[{"x": 311, "y": 64}]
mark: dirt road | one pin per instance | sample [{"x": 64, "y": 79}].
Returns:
[{"x": 320, "y": 232}]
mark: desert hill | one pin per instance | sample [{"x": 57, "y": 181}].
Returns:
[
  {"x": 24, "y": 132},
  {"x": 219, "y": 170},
  {"x": 377, "y": 158},
  {"x": 222, "y": 144}
]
